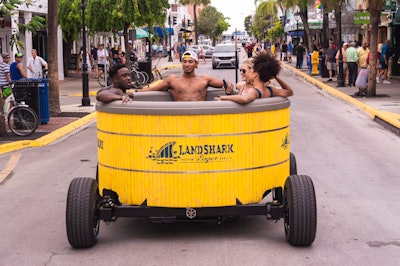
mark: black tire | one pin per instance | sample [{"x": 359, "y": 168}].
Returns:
[
  {"x": 22, "y": 121},
  {"x": 293, "y": 165},
  {"x": 101, "y": 79},
  {"x": 300, "y": 210},
  {"x": 81, "y": 216},
  {"x": 157, "y": 75}
]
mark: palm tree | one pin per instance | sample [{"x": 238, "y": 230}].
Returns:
[
  {"x": 52, "y": 23},
  {"x": 375, "y": 7},
  {"x": 195, "y": 3}
]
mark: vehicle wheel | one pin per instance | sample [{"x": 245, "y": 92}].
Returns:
[
  {"x": 293, "y": 165},
  {"x": 102, "y": 80},
  {"x": 81, "y": 216},
  {"x": 22, "y": 121},
  {"x": 144, "y": 78},
  {"x": 300, "y": 205},
  {"x": 157, "y": 75}
]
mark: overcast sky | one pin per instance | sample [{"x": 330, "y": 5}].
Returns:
[{"x": 235, "y": 10}]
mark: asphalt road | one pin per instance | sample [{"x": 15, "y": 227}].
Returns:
[{"x": 352, "y": 160}]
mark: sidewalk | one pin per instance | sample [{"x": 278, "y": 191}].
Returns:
[{"x": 384, "y": 108}]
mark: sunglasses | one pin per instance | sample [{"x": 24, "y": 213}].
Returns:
[{"x": 242, "y": 71}]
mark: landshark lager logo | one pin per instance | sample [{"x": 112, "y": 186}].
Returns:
[{"x": 170, "y": 153}]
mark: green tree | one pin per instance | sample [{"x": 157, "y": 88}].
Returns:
[
  {"x": 264, "y": 18},
  {"x": 195, "y": 3},
  {"x": 108, "y": 16},
  {"x": 70, "y": 20},
  {"x": 116, "y": 15},
  {"x": 276, "y": 32},
  {"x": 212, "y": 23},
  {"x": 248, "y": 20}
]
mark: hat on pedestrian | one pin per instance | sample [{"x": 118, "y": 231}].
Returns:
[
  {"x": 19, "y": 55},
  {"x": 345, "y": 44},
  {"x": 191, "y": 54}
]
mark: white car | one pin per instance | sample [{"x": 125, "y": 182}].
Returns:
[{"x": 208, "y": 48}]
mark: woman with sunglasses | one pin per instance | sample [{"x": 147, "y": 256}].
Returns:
[{"x": 256, "y": 76}]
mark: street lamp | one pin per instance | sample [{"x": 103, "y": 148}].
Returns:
[
  {"x": 297, "y": 18},
  {"x": 340, "y": 61},
  {"x": 170, "y": 41},
  {"x": 85, "y": 74}
]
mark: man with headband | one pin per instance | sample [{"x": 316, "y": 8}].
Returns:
[{"x": 189, "y": 86}]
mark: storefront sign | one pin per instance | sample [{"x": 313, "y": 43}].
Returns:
[{"x": 362, "y": 18}]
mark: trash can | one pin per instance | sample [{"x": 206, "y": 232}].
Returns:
[
  {"x": 323, "y": 71},
  {"x": 27, "y": 90},
  {"x": 145, "y": 66},
  {"x": 44, "y": 101},
  {"x": 309, "y": 63}
]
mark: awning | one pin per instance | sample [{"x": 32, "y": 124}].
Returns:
[
  {"x": 162, "y": 32},
  {"x": 295, "y": 33},
  {"x": 183, "y": 30},
  {"x": 141, "y": 33}
]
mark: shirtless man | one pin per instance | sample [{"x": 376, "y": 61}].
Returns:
[
  {"x": 189, "y": 86},
  {"x": 121, "y": 82}
]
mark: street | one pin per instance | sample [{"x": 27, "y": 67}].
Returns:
[{"x": 352, "y": 161}]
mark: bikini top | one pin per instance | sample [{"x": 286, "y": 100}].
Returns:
[
  {"x": 270, "y": 91},
  {"x": 260, "y": 94}
]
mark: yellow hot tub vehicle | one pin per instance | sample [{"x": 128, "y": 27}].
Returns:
[{"x": 195, "y": 161}]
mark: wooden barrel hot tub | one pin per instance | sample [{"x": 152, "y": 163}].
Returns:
[{"x": 192, "y": 154}]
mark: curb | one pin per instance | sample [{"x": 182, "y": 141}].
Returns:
[
  {"x": 390, "y": 118},
  {"x": 49, "y": 138}
]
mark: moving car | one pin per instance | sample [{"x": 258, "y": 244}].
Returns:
[
  {"x": 208, "y": 48},
  {"x": 224, "y": 56}
]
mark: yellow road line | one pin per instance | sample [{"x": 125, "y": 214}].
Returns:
[{"x": 14, "y": 159}]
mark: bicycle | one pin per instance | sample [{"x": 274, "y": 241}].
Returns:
[
  {"x": 20, "y": 118},
  {"x": 155, "y": 73},
  {"x": 104, "y": 79}
]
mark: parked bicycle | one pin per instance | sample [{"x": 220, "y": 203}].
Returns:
[
  {"x": 104, "y": 78},
  {"x": 155, "y": 73},
  {"x": 139, "y": 78},
  {"x": 20, "y": 118}
]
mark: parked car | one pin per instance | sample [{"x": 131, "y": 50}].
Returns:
[
  {"x": 208, "y": 48},
  {"x": 224, "y": 56}
]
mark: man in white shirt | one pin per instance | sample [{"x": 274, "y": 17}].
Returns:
[
  {"x": 102, "y": 59},
  {"x": 35, "y": 65}
]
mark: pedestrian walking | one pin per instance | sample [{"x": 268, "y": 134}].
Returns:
[
  {"x": 299, "y": 55},
  {"x": 330, "y": 60}
]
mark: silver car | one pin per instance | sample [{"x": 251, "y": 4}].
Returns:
[
  {"x": 207, "y": 48},
  {"x": 224, "y": 56}
]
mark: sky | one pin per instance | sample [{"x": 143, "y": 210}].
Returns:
[{"x": 236, "y": 11}]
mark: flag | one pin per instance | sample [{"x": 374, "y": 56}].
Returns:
[{"x": 318, "y": 5}]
